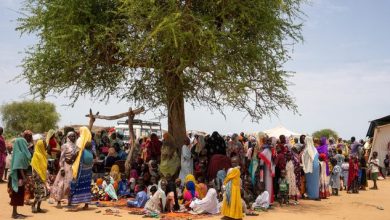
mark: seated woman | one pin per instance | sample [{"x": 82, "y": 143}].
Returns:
[
  {"x": 115, "y": 173},
  {"x": 189, "y": 194},
  {"x": 209, "y": 204},
  {"x": 156, "y": 203},
  {"x": 140, "y": 200}
]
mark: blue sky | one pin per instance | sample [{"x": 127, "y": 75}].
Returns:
[{"x": 341, "y": 81}]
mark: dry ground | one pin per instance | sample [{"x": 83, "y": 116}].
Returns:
[{"x": 346, "y": 206}]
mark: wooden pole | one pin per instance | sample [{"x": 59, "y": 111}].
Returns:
[
  {"x": 130, "y": 115},
  {"x": 92, "y": 119},
  {"x": 132, "y": 140}
]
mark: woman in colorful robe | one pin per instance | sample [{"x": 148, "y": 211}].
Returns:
[
  {"x": 80, "y": 191},
  {"x": 61, "y": 186},
  {"x": 268, "y": 170}
]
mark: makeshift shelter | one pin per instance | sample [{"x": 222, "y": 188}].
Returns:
[
  {"x": 380, "y": 131},
  {"x": 280, "y": 130}
]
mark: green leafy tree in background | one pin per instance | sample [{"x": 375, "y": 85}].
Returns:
[
  {"x": 326, "y": 133},
  {"x": 163, "y": 53},
  {"x": 37, "y": 116}
]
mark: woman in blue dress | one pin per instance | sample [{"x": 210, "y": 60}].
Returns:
[
  {"x": 80, "y": 191},
  {"x": 311, "y": 167}
]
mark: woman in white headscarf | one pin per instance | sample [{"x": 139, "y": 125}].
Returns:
[
  {"x": 311, "y": 168},
  {"x": 208, "y": 204}
]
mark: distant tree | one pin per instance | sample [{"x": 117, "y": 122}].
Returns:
[
  {"x": 37, "y": 116},
  {"x": 163, "y": 53},
  {"x": 326, "y": 133}
]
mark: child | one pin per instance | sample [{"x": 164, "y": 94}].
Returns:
[
  {"x": 324, "y": 190},
  {"x": 8, "y": 161},
  {"x": 247, "y": 193},
  {"x": 335, "y": 177},
  {"x": 140, "y": 182},
  {"x": 283, "y": 188},
  {"x": 374, "y": 166},
  {"x": 345, "y": 171},
  {"x": 123, "y": 190},
  {"x": 353, "y": 175},
  {"x": 140, "y": 200},
  {"x": 290, "y": 173},
  {"x": 153, "y": 181}
]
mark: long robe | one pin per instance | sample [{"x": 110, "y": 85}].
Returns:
[
  {"x": 313, "y": 180},
  {"x": 268, "y": 171},
  {"x": 187, "y": 165},
  {"x": 232, "y": 206},
  {"x": 323, "y": 149},
  {"x": 61, "y": 186},
  {"x": 209, "y": 204}
]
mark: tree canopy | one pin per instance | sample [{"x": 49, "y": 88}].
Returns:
[
  {"x": 328, "y": 133},
  {"x": 37, "y": 116},
  {"x": 162, "y": 53}
]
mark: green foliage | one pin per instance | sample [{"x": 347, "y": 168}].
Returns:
[
  {"x": 37, "y": 116},
  {"x": 213, "y": 53},
  {"x": 326, "y": 133}
]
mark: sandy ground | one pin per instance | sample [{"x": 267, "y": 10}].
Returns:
[{"x": 346, "y": 206}]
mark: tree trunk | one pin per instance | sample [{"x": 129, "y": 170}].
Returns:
[
  {"x": 132, "y": 142},
  {"x": 175, "y": 106}
]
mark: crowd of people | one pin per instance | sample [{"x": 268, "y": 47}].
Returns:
[{"x": 234, "y": 175}]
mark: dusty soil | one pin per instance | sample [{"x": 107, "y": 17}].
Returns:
[{"x": 365, "y": 205}]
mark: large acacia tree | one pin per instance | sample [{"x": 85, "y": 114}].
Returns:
[{"x": 163, "y": 53}]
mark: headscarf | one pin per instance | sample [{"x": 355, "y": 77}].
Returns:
[
  {"x": 308, "y": 155},
  {"x": 39, "y": 160},
  {"x": 208, "y": 204},
  {"x": 70, "y": 147},
  {"x": 20, "y": 160},
  {"x": 188, "y": 178},
  {"x": 85, "y": 136},
  {"x": 49, "y": 135},
  {"x": 114, "y": 173},
  {"x": 323, "y": 149},
  {"x": 202, "y": 190},
  {"x": 190, "y": 186},
  {"x": 200, "y": 145},
  {"x": 133, "y": 174},
  {"x": 221, "y": 175},
  {"x": 162, "y": 194}
]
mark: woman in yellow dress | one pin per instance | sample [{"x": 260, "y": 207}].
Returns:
[{"x": 232, "y": 205}]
